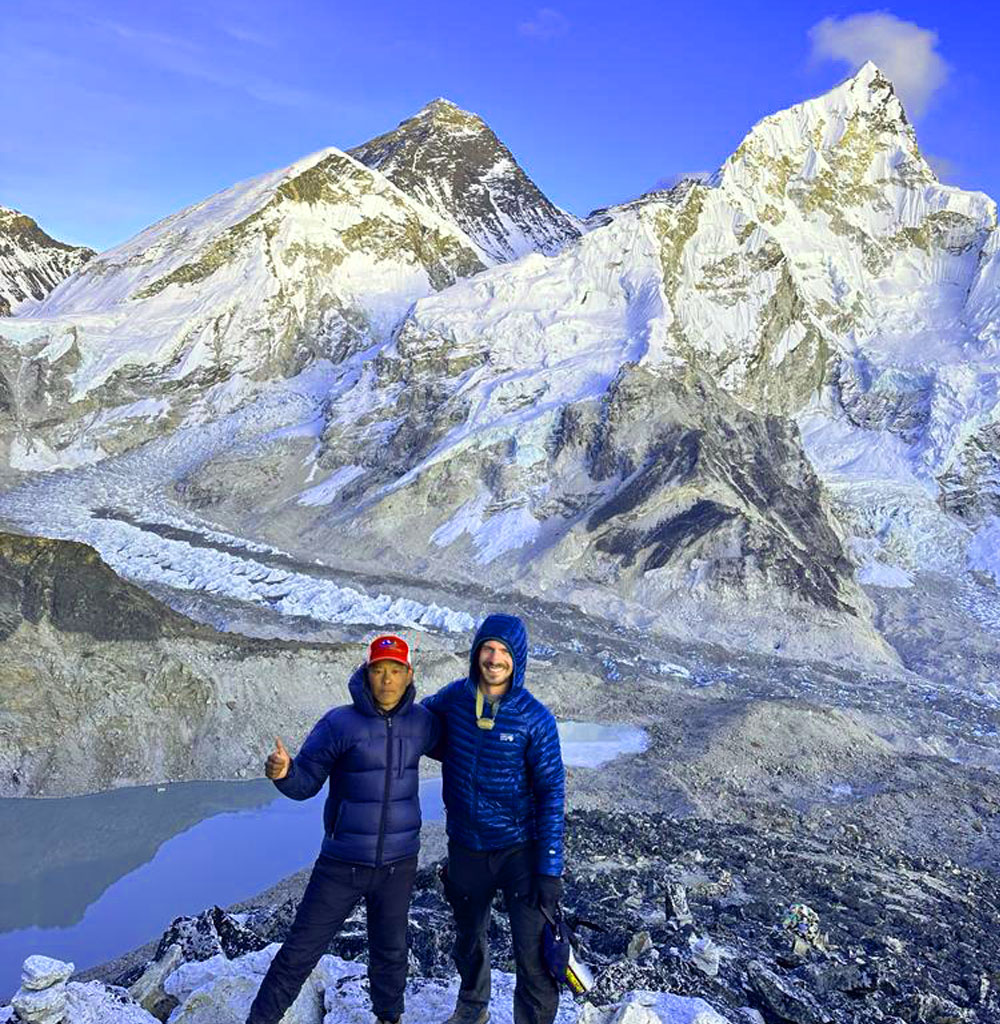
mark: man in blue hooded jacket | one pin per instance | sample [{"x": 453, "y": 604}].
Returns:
[
  {"x": 504, "y": 789},
  {"x": 368, "y": 751}
]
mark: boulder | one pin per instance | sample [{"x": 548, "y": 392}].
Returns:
[
  {"x": 148, "y": 989},
  {"x": 40, "y": 972}
]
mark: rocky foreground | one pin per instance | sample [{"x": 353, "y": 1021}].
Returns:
[{"x": 684, "y": 922}]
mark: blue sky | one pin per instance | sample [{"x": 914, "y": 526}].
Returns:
[{"x": 119, "y": 113}]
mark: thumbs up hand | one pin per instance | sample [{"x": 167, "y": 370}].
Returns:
[{"x": 278, "y": 761}]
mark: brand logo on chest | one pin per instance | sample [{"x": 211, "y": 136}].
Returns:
[{"x": 506, "y": 737}]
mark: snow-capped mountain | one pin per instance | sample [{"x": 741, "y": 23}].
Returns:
[
  {"x": 317, "y": 259},
  {"x": 322, "y": 255},
  {"x": 612, "y": 423},
  {"x": 825, "y": 274},
  {"x": 450, "y": 160},
  {"x": 31, "y": 262}
]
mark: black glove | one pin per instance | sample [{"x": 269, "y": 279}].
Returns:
[{"x": 547, "y": 893}]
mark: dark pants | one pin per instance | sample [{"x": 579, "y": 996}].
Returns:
[
  {"x": 334, "y": 889},
  {"x": 471, "y": 883}
]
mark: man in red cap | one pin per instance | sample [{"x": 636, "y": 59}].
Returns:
[{"x": 368, "y": 752}]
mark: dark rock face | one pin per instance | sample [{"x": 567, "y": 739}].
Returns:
[
  {"x": 103, "y": 684},
  {"x": 899, "y": 939},
  {"x": 213, "y": 931},
  {"x": 970, "y": 486},
  {"x": 31, "y": 262},
  {"x": 700, "y": 442},
  {"x": 892, "y": 400},
  {"x": 68, "y": 584},
  {"x": 451, "y": 161}
]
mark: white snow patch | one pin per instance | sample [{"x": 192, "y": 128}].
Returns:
[
  {"x": 878, "y": 574},
  {"x": 842, "y": 452},
  {"x": 507, "y": 530},
  {"x": 145, "y": 408},
  {"x": 984, "y": 549},
  {"x": 325, "y": 492},
  {"x": 466, "y": 520},
  {"x": 788, "y": 342},
  {"x": 504, "y": 531},
  {"x": 33, "y": 455}
]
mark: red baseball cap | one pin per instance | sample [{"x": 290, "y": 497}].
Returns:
[{"x": 388, "y": 648}]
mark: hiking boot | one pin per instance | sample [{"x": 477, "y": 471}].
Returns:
[{"x": 468, "y": 1015}]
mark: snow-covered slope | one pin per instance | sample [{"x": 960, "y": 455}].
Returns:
[
  {"x": 826, "y": 274},
  {"x": 612, "y": 422},
  {"x": 318, "y": 259},
  {"x": 450, "y": 160},
  {"x": 32, "y": 263},
  {"x": 320, "y": 256}
]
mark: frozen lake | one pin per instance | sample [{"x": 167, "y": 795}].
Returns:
[{"x": 86, "y": 878}]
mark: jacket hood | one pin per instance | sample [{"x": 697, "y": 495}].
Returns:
[
  {"x": 510, "y": 631},
  {"x": 364, "y": 702}
]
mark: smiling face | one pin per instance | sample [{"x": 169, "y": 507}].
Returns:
[
  {"x": 388, "y": 680},
  {"x": 496, "y": 669}
]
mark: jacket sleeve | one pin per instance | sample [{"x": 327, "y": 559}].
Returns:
[
  {"x": 313, "y": 764},
  {"x": 435, "y": 734},
  {"x": 435, "y": 705},
  {"x": 548, "y": 785}
]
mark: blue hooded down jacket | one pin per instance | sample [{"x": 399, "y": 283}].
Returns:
[
  {"x": 504, "y": 785},
  {"x": 372, "y": 812}
]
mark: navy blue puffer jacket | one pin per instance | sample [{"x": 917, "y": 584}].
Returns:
[
  {"x": 504, "y": 785},
  {"x": 372, "y": 812}
]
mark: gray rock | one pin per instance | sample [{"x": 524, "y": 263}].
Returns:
[
  {"x": 638, "y": 944},
  {"x": 782, "y": 999},
  {"x": 148, "y": 990},
  {"x": 45, "y": 1006},
  {"x": 39, "y": 972}
]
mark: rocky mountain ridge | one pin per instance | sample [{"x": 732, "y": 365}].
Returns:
[
  {"x": 452, "y": 162},
  {"x": 31, "y": 262},
  {"x": 512, "y": 419}
]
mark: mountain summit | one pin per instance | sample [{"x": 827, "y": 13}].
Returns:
[
  {"x": 31, "y": 262},
  {"x": 648, "y": 422},
  {"x": 450, "y": 160}
]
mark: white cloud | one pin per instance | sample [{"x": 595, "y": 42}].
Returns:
[
  {"x": 184, "y": 57},
  {"x": 904, "y": 51},
  {"x": 546, "y": 24}
]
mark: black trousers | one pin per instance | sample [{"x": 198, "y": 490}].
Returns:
[
  {"x": 334, "y": 889},
  {"x": 471, "y": 882}
]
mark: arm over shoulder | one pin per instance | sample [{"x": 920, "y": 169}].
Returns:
[{"x": 436, "y": 704}]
